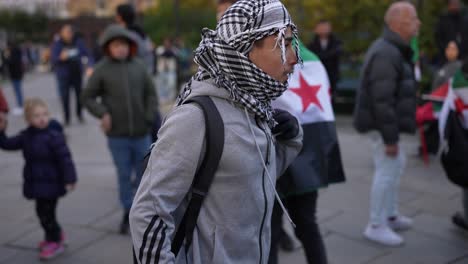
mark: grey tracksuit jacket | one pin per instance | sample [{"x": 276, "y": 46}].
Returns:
[{"x": 234, "y": 221}]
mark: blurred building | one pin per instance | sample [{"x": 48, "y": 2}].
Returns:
[
  {"x": 74, "y": 8},
  {"x": 104, "y": 8},
  {"x": 53, "y": 8}
]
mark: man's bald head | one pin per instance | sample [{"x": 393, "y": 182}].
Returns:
[
  {"x": 402, "y": 18},
  {"x": 396, "y": 11}
]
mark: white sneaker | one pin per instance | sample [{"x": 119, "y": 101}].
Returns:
[
  {"x": 383, "y": 235},
  {"x": 17, "y": 111},
  {"x": 400, "y": 223}
]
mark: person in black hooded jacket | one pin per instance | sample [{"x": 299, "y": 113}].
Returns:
[{"x": 329, "y": 49}]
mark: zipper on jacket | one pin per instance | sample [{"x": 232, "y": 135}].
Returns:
[
  {"x": 265, "y": 197},
  {"x": 129, "y": 99},
  {"x": 263, "y": 218}
]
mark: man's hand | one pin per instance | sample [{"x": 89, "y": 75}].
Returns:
[
  {"x": 3, "y": 121},
  {"x": 106, "y": 123},
  {"x": 63, "y": 55},
  {"x": 88, "y": 72},
  {"x": 391, "y": 150}
]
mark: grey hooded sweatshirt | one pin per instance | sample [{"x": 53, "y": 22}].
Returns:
[{"x": 234, "y": 221}]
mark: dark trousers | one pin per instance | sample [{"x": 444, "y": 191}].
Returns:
[
  {"x": 66, "y": 84},
  {"x": 302, "y": 209},
  {"x": 45, "y": 209}
]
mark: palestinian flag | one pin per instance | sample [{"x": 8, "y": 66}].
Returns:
[
  {"x": 456, "y": 100},
  {"x": 430, "y": 111},
  {"x": 308, "y": 98}
]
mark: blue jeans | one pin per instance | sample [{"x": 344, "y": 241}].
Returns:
[
  {"x": 386, "y": 184},
  {"x": 18, "y": 92},
  {"x": 128, "y": 154}
]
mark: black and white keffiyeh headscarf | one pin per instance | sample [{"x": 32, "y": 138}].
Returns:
[{"x": 223, "y": 54}]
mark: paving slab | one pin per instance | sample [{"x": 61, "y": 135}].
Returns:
[
  {"x": 461, "y": 260},
  {"x": 424, "y": 249},
  {"x": 13, "y": 206},
  {"x": 442, "y": 228},
  {"x": 7, "y": 253},
  {"x": 109, "y": 223},
  {"x": 11, "y": 175},
  {"x": 344, "y": 250},
  {"x": 443, "y": 207},
  {"x": 97, "y": 176},
  {"x": 84, "y": 206},
  {"x": 115, "y": 249}
]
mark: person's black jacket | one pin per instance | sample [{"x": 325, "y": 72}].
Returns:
[
  {"x": 386, "y": 98},
  {"x": 48, "y": 162},
  {"x": 330, "y": 56},
  {"x": 14, "y": 62},
  {"x": 452, "y": 27}
]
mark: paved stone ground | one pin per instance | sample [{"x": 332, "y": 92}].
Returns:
[{"x": 90, "y": 215}]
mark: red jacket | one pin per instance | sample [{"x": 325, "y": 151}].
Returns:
[{"x": 3, "y": 102}]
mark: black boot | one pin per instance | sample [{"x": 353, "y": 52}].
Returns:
[{"x": 124, "y": 225}]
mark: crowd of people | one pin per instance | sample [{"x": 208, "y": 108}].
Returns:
[{"x": 178, "y": 198}]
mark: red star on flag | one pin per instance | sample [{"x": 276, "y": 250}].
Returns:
[{"x": 308, "y": 93}]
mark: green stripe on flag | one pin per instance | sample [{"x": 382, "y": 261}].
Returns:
[
  {"x": 459, "y": 80},
  {"x": 306, "y": 54},
  {"x": 415, "y": 47}
]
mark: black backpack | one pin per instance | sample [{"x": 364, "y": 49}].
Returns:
[
  {"x": 454, "y": 161},
  {"x": 204, "y": 175}
]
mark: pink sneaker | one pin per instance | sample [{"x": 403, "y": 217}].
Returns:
[
  {"x": 51, "y": 250},
  {"x": 62, "y": 241},
  {"x": 41, "y": 245}
]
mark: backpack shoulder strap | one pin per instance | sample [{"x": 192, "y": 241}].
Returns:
[{"x": 205, "y": 174}]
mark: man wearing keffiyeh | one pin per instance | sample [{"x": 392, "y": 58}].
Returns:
[{"x": 244, "y": 64}]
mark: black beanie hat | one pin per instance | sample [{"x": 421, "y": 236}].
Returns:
[{"x": 127, "y": 13}]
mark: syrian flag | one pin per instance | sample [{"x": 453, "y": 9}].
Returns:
[
  {"x": 456, "y": 100},
  {"x": 308, "y": 98}
]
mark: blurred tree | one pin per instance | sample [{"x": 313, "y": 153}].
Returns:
[
  {"x": 359, "y": 22},
  {"x": 356, "y": 22},
  {"x": 195, "y": 4},
  {"x": 24, "y": 26},
  {"x": 193, "y": 15},
  {"x": 429, "y": 12}
]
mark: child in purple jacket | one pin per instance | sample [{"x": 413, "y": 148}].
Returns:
[{"x": 48, "y": 173}]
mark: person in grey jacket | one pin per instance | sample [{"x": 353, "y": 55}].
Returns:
[
  {"x": 385, "y": 107},
  {"x": 243, "y": 66}
]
